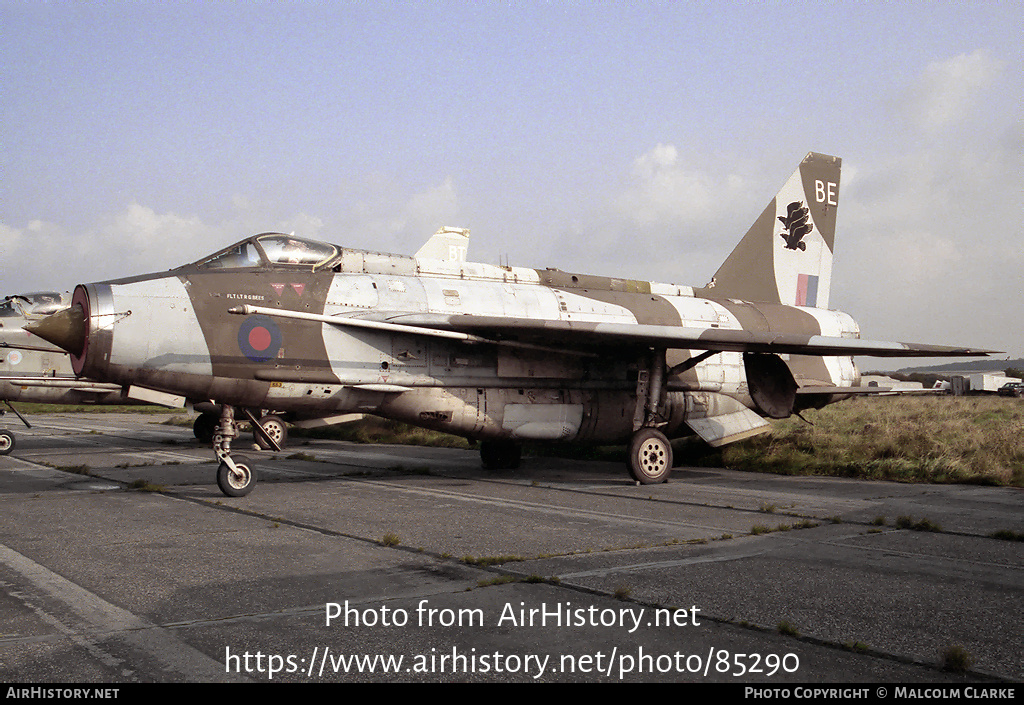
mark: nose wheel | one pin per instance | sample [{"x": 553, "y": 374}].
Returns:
[
  {"x": 237, "y": 481},
  {"x": 236, "y": 477}
]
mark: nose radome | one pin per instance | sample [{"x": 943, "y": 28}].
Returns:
[{"x": 65, "y": 329}]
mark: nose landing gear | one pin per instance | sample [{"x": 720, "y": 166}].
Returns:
[{"x": 236, "y": 477}]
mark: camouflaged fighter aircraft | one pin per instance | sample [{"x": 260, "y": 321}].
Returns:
[{"x": 494, "y": 353}]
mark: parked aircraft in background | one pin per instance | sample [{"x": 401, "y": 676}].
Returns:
[
  {"x": 34, "y": 370},
  {"x": 37, "y": 304},
  {"x": 499, "y": 354}
]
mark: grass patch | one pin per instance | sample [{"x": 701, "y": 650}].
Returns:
[
  {"x": 376, "y": 430},
  {"x": 76, "y": 469},
  {"x": 907, "y": 522},
  {"x": 786, "y": 628},
  {"x": 1007, "y": 535},
  {"x": 904, "y": 439},
  {"x": 390, "y": 539},
  {"x": 485, "y": 561},
  {"x": 957, "y": 659},
  {"x": 500, "y": 580},
  {"x": 145, "y": 486}
]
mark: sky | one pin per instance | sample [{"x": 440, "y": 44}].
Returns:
[{"x": 634, "y": 139}]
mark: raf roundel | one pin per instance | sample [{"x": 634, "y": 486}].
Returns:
[{"x": 259, "y": 338}]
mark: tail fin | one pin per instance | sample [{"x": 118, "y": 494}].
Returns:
[
  {"x": 449, "y": 244},
  {"x": 786, "y": 256}
]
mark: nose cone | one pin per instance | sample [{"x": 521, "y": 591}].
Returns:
[{"x": 65, "y": 329}]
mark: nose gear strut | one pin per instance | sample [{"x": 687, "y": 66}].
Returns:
[{"x": 236, "y": 477}]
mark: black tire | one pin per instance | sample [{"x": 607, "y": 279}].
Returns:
[
  {"x": 650, "y": 457},
  {"x": 232, "y": 485},
  {"x": 275, "y": 427},
  {"x": 6, "y": 442},
  {"x": 205, "y": 426},
  {"x": 501, "y": 455}
]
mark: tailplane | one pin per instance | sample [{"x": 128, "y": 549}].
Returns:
[{"x": 786, "y": 256}]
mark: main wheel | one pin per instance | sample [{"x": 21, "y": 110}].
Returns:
[
  {"x": 6, "y": 442},
  {"x": 500, "y": 455},
  {"x": 205, "y": 426},
  {"x": 275, "y": 427},
  {"x": 650, "y": 457},
  {"x": 236, "y": 484}
]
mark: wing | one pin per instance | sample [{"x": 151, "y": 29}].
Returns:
[
  {"x": 722, "y": 340},
  {"x": 576, "y": 337}
]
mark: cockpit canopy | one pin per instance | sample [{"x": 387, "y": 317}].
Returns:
[
  {"x": 271, "y": 249},
  {"x": 38, "y": 303}
]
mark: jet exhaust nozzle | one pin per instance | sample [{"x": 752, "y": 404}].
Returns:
[{"x": 65, "y": 329}]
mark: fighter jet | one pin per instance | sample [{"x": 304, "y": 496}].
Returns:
[{"x": 497, "y": 354}]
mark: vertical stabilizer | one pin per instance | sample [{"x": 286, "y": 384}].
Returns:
[{"x": 786, "y": 256}]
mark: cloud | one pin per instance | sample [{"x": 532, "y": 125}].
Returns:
[
  {"x": 303, "y": 225},
  {"x": 135, "y": 240},
  {"x": 948, "y": 91},
  {"x": 383, "y": 214},
  {"x": 674, "y": 219},
  {"x": 669, "y": 193},
  {"x": 431, "y": 208},
  {"x": 145, "y": 238},
  {"x": 10, "y": 239}
]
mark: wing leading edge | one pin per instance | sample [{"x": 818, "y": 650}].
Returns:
[{"x": 721, "y": 340}]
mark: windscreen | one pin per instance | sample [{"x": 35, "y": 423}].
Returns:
[
  {"x": 244, "y": 254},
  {"x": 286, "y": 249}
]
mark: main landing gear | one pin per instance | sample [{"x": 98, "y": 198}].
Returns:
[
  {"x": 650, "y": 453},
  {"x": 650, "y": 457},
  {"x": 236, "y": 476},
  {"x": 273, "y": 427}
]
